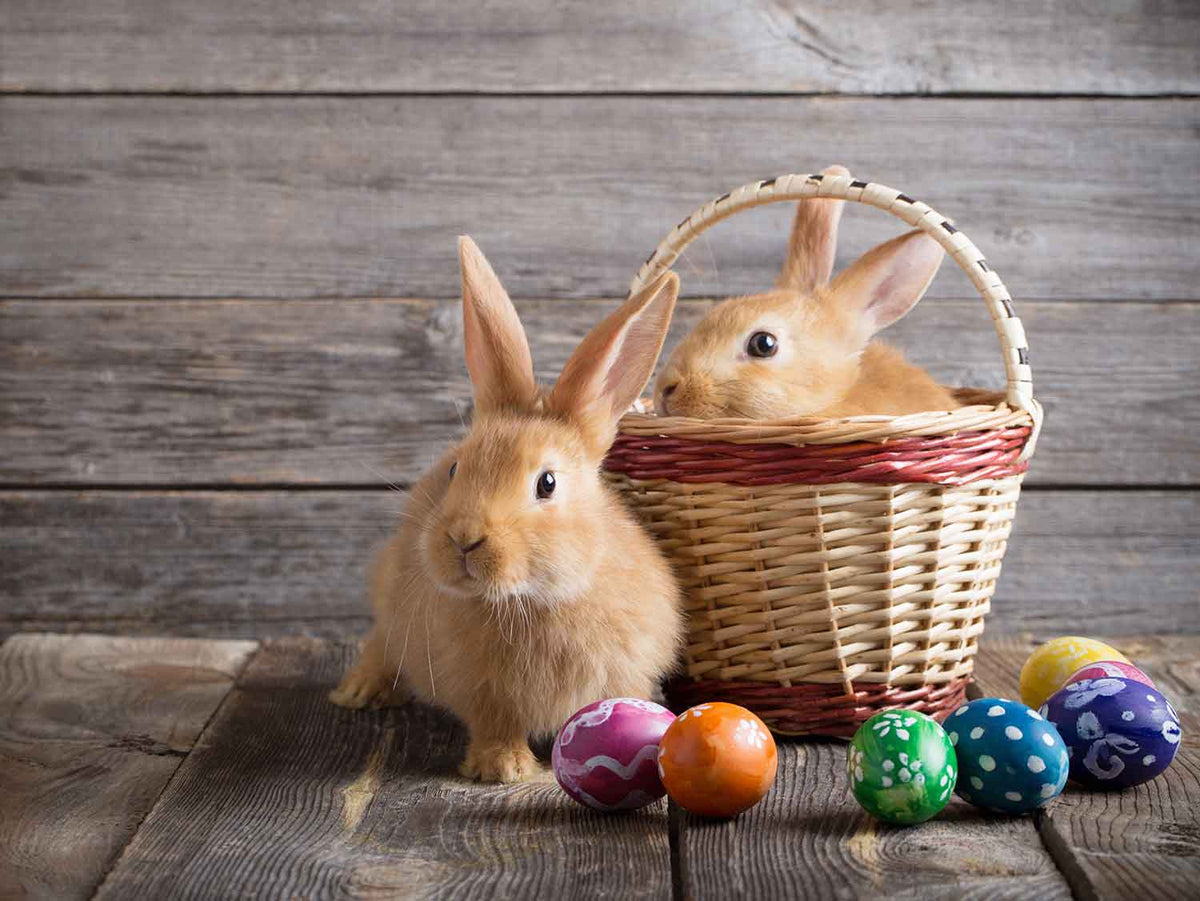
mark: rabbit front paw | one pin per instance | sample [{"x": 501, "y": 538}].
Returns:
[
  {"x": 500, "y": 763},
  {"x": 365, "y": 685}
]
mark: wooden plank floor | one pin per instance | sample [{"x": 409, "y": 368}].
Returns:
[
  {"x": 284, "y": 795},
  {"x": 91, "y": 729}
]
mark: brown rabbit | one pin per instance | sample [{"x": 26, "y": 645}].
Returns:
[
  {"x": 805, "y": 349},
  {"x": 517, "y": 588}
]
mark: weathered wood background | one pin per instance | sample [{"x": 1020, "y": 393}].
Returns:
[{"x": 227, "y": 263}]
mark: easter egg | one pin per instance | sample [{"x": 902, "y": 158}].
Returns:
[
  {"x": 1051, "y": 664},
  {"x": 717, "y": 760},
  {"x": 1118, "y": 732},
  {"x": 604, "y": 755},
  {"x": 1009, "y": 757},
  {"x": 901, "y": 766},
  {"x": 1103, "y": 668}
]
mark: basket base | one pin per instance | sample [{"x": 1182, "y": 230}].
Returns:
[{"x": 819, "y": 709}]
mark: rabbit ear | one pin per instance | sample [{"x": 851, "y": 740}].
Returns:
[
  {"x": 887, "y": 281},
  {"x": 610, "y": 368},
  {"x": 497, "y": 353},
  {"x": 813, "y": 245}
]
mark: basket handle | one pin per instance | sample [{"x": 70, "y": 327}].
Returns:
[{"x": 1013, "y": 345}]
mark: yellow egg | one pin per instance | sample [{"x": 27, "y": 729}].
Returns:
[{"x": 1050, "y": 665}]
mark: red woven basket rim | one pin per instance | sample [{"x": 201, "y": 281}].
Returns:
[{"x": 955, "y": 459}]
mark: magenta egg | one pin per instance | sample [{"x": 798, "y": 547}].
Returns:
[
  {"x": 1108, "y": 668},
  {"x": 606, "y": 754}
]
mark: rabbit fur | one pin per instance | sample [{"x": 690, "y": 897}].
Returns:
[
  {"x": 509, "y": 608},
  {"x": 823, "y": 361}
]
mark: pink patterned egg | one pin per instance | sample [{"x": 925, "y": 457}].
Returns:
[
  {"x": 1107, "y": 668},
  {"x": 606, "y": 755}
]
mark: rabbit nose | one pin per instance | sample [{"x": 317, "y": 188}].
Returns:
[{"x": 465, "y": 547}]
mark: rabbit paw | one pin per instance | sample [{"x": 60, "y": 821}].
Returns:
[
  {"x": 500, "y": 763},
  {"x": 365, "y": 686}
]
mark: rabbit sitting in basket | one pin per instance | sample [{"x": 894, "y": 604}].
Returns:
[
  {"x": 518, "y": 587},
  {"x": 805, "y": 349}
]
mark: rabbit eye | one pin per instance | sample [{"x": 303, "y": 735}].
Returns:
[
  {"x": 545, "y": 485},
  {"x": 453, "y": 468},
  {"x": 762, "y": 344}
]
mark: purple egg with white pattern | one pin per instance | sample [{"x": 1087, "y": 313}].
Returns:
[
  {"x": 1119, "y": 732},
  {"x": 606, "y": 754}
]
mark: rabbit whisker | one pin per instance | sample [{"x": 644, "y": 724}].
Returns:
[
  {"x": 404, "y": 651},
  {"x": 429, "y": 657},
  {"x": 523, "y": 610},
  {"x": 408, "y": 631},
  {"x": 375, "y": 472},
  {"x": 495, "y": 614},
  {"x": 508, "y": 627},
  {"x": 712, "y": 259},
  {"x": 387, "y": 639},
  {"x": 738, "y": 411},
  {"x": 424, "y": 493},
  {"x": 512, "y": 607},
  {"x": 514, "y": 627}
]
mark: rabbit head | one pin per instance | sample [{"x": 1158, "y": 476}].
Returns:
[
  {"x": 797, "y": 350},
  {"x": 519, "y": 508}
]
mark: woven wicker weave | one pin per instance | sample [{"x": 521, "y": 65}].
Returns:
[{"x": 834, "y": 568}]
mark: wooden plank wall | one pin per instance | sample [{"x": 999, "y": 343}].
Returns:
[{"x": 227, "y": 263}]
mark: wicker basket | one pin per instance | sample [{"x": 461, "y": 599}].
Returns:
[{"x": 835, "y": 568}]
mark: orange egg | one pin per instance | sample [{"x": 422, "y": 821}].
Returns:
[{"x": 717, "y": 760}]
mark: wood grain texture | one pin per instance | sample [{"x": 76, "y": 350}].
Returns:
[
  {"x": 339, "y": 196},
  {"x": 261, "y": 563},
  {"x": 191, "y": 563},
  {"x": 288, "y": 796},
  {"x": 91, "y": 729},
  {"x": 350, "y": 392},
  {"x": 810, "y": 839},
  {"x": 865, "y": 46},
  {"x": 1143, "y": 842}
]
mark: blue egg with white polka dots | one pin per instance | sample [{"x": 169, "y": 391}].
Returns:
[{"x": 1010, "y": 758}]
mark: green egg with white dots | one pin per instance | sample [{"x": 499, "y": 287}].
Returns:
[{"x": 902, "y": 767}]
